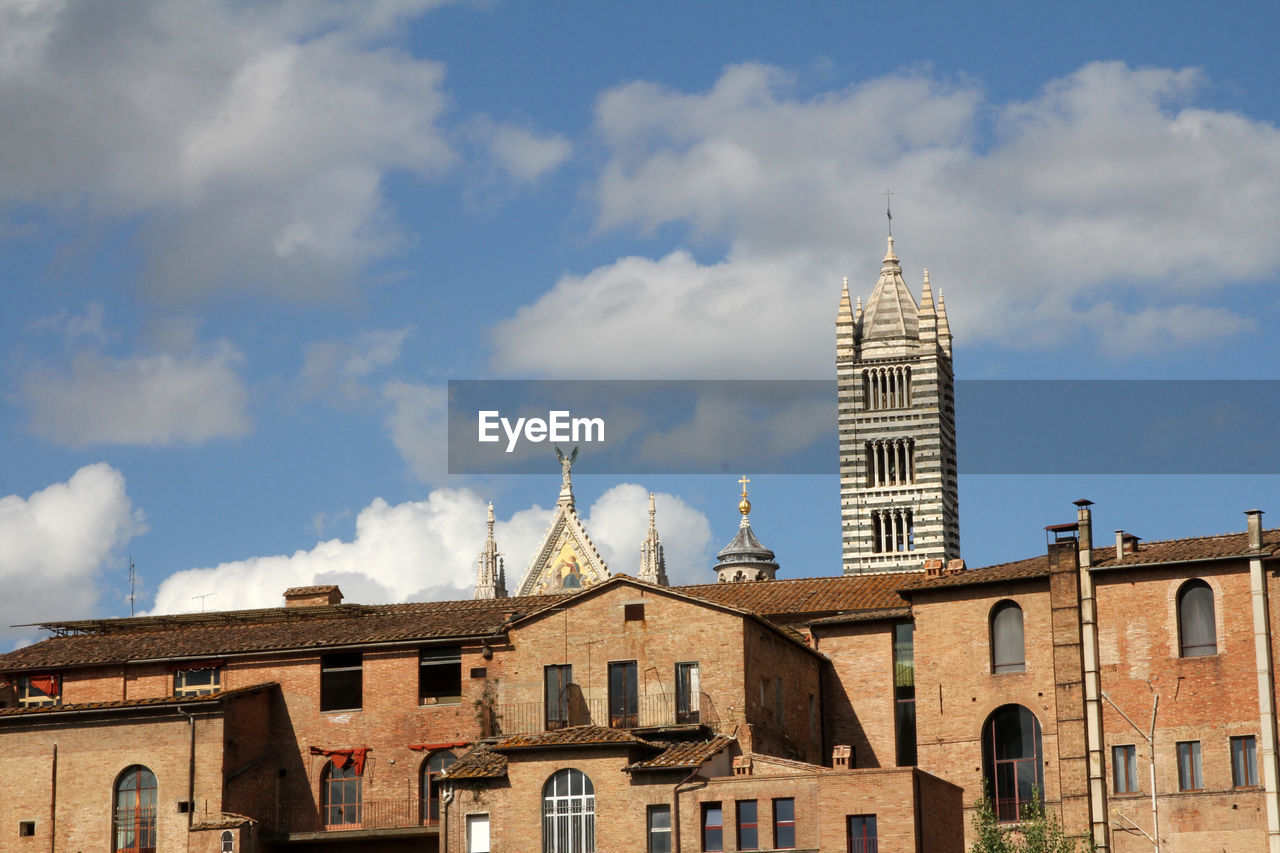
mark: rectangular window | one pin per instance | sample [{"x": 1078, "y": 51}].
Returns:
[
  {"x": 904, "y": 692},
  {"x": 557, "y": 679},
  {"x": 862, "y": 833},
  {"x": 784, "y": 823},
  {"x": 688, "y": 694},
  {"x": 659, "y": 823},
  {"x": 633, "y": 612},
  {"x": 1244, "y": 762},
  {"x": 1124, "y": 769},
  {"x": 440, "y": 676},
  {"x": 477, "y": 833},
  {"x": 197, "y": 682},
  {"x": 36, "y": 691},
  {"x": 748, "y": 827},
  {"x": 624, "y": 701},
  {"x": 1189, "y": 766},
  {"x": 341, "y": 681},
  {"x": 712, "y": 827}
]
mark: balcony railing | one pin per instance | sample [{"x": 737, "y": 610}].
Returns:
[
  {"x": 651, "y": 711},
  {"x": 366, "y": 815}
]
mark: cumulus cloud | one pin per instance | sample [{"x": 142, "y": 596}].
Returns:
[
  {"x": 248, "y": 142},
  {"x": 57, "y": 542},
  {"x": 417, "y": 417},
  {"x": 152, "y": 398},
  {"x": 1110, "y": 187},
  {"x": 426, "y": 550},
  {"x": 522, "y": 154}
]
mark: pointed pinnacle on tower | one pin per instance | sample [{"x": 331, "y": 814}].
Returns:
[
  {"x": 491, "y": 580},
  {"x": 653, "y": 562}
]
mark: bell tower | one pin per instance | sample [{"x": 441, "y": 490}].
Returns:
[{"x": 898, "y": 485}]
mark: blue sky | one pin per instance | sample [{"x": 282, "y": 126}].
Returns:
[{"x": 245, "y": 246}]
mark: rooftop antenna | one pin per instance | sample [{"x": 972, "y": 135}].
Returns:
[
  {"x": 888, "y": 208},
  {"x": 202, "y": 598},
  {"x": 133, "y": 576}
]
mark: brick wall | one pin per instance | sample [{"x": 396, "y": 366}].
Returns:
[{"x": 858, "y": 691}]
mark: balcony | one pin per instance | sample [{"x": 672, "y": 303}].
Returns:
[
  {"x": 653, "y": 711},
  {"x": 369, "y": 818}
]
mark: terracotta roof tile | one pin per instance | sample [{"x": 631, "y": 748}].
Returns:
[
  {"x": 682, "y": 755},
  {"x": 479, "y": 763},
  {"x": 126, "y": 704},
  {"x": 274, "y": 629},
  {"x": 310, "y": 590},
  {"x": 572, "y": 736},
  {"x": 806, "y": 596}
]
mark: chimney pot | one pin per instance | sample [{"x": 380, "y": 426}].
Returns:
[
  {"x": 312, "y": 596},
  {"x": 1119, "y": 545},
  {"x": 840, "y": 754},
  {"x": 1255, "y": 529}
]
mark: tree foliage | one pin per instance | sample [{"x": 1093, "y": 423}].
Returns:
[{"x": 1039, "y": 831}]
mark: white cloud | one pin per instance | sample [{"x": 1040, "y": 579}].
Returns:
[
  {"x": 58, "y": 540},
  {"x": 1111, "y": 187},
  {"x": 339, "y": 367},
  {"x": 161, "y": 398},
  {"x": 523, "y": 154},
  {"x": 424, "y": 550},
  {"x": 418, "y": 420},
  {"x": 250, "y": 142}
]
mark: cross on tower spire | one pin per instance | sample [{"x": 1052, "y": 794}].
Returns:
[{"x": 888, "y": 208}]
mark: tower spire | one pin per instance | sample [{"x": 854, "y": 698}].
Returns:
[
  {"x": 491, "y": 576},
  {"x": 745, "y": 559},
  {"x": 653, "y": 563}
]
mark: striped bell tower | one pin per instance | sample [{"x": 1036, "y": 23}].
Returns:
[{"x": 898, "y": 495}]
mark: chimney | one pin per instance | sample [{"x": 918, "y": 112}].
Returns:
[
  {"x": 1084, "y": 527},
  {"x": 841, "y": 756},
  {"x": 742, "y": 765},
  {"x": 955, "y": 567},
  {"x": 312, "y": 596},
  {"x": 933, "y": 568},
  {"x": 1255, "y": 529}
]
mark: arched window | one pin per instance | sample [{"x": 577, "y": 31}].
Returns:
[
  {"x": 569, "y": 813},
  {"x": 1197, "y": 629},
  {"x": 436, "y": 763},
  {"x": 1008, "y": 648},
  {"x": 340, "y": 795},
  {"x": 135, "y": 811},
  {"x": 228, "y": 842},
  {"x": 1012, "y": 760}
]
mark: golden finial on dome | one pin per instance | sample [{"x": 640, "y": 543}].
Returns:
[{"x": 744, "y": 505}]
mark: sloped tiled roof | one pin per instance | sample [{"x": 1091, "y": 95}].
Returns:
[
  {"x": 310, "y": 590},
  {"x": 273, "y": 629},
  {"x": 126, "y": 704},
  {"x": 683, "y": 755},
  {"x": 479, "y": 763},
  {"x": 799, "y": 596},
  {"x": 572, "y": 736},
  {"x": 1222, "y": 547}
]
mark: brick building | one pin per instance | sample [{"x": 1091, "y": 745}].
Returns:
[{"x": 864, "y": 712}]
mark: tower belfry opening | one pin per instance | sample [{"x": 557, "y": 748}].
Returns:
[{"x": 898, "y": 485}]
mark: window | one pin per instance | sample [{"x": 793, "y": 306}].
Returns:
[
  {"x": 1189, "y": 766},
  {"x": 659, "y": 823},
  {"x": 748, "y": 827},
  {"x": 228, "y": 841},
  {"x": 135, "y": 811},
  {"x": 1012, "y": 758},
  {"x": 892, "y": 530},
  {"x": 862, "y": 833},
  {"x": 36, "y": 691},
  {"x": 904, "y": 692},
  {"x": 1008, "y": 648},
  {"x": 26, "y": 829},
  {"x": 568, "y": 813},
  {"x": 624, "y": 701},
  {"x": 477, "y": 833},
  {"x": 556, "y": 680},
  {"x": 436, "y": 763},
  {"x": 784, "y": 823},
  {"x": 440, "y": 676},
  {"x": 197, "y": 682},
  {"x": 712, "y": 827},
  {"x": 1244, "y": 762},
  {"x": 1197, "y": 629},
  {"x": 340, "y": 795},
  {"x": 688, "y": 694},
  {"x": 1124, "y": 769},
  {"x": 341, "y": 681},
  {"x": 633, "y": 612}
]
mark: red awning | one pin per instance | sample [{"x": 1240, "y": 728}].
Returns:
[
  {"x": 342, "y": 757},
  {"x": 432, "y": 747},
  {"x": 46, "y": 684}
]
